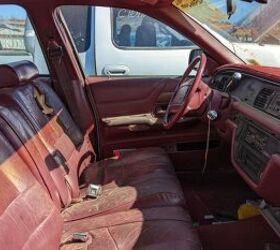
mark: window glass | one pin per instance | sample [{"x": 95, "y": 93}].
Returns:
[
  {"x": 17, "y": 38},
  {"x": 251, "y": 32},
  {"x": 119, "y": 42},
  {"x": 79, "y": 28},
  {"x": 132, "y": 29}
]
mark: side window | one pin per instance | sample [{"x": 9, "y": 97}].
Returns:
[
  {"x": 17, "y": 38},
  {"x": 79, "y": 28},
  {"x": 133, "y": 30},
  {"x": 80, "y": 23},
  {"x": 119, "y": 42}
]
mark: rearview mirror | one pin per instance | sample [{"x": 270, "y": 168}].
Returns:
[
  {"x": 259, "y": 1},
  {"x": 231, "y": 8}
]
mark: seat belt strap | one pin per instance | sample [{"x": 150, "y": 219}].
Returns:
[{"x": 55, "y": 54}]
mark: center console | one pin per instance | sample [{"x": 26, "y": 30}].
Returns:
[
  {"x": 256, "y": 156},
  {"x": 253, "y": 147}
]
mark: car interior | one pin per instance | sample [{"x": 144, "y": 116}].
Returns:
[{"x": 97, "y": 162}]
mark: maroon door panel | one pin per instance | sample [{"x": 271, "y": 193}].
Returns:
[
  {"x": 129, "y": 113},
  {"x": 120, "y": 97}
]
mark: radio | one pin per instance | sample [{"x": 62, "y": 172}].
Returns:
[
  {"x": 253, "y": 148},
  {"x": 255, "y": 138}
]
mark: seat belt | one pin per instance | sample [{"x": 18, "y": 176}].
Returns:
[
  {"x": 93, "y": 191},
  {"x": 56, "y": 155},
  {"x": 79, "y": 241},
  {"x": 55, "y": 54}
]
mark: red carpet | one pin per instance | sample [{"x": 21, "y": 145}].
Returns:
[{"x": 224, "y": 193}]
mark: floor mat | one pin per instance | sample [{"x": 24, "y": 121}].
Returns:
[
  {"x": 250, "y": 234},
  {"x": 220, "y": 193}
]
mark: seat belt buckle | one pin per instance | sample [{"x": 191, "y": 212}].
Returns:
[
  {"x": 80, "y": 237},
  {"x": 94, "y": 191}
]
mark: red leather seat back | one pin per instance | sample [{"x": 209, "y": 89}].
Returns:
[
  {"x": 42, "y": 175},
  {"x": 52, "y": 176},
  {"x": 63, "y": 149},
  {"x": 28, "y": 218}
]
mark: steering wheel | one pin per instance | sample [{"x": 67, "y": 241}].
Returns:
[{"x": 189, "y": 93}]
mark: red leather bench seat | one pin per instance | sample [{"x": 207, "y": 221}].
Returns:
[
  {"x": 141, "y": 205},
  {"x": 150, "y": 228},
  {"x": 145, "y": 177},
  {"x": 30, "y": 220}
]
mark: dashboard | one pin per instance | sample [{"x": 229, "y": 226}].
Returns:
[
  {"x": 253, "y": 126},
  {"x": 250, "y": 121},
  {"x": 259, "y": 93}
]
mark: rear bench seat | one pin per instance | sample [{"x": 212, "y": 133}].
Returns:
[
  {"x": 141, "y": 203},
  {"x": 30, "y": 220},
  {"x": 143, "y": 178}
]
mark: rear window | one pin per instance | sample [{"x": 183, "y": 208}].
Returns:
[{"x": 18, "y": 40}]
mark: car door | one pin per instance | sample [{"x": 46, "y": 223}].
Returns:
[
  {"x": 137, "y": 45},
  {"x": 129, "y": 107}
]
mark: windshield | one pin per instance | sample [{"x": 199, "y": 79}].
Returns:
[{"x": 252, "y": 32}]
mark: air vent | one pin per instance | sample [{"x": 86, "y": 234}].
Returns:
[{"x": 263, "y": 97}]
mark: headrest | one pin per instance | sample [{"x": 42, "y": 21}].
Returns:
[{"x": 17, "y": 73}]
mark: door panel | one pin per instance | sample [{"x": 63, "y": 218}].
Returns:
[
  {"x": 129, "y": 113},
  {"x": 119, "y": 97}
]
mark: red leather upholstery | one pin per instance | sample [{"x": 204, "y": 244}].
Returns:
[
  {"x": 30, "y": 174},
  {"x": 29, "y": 219},
  {"x": 52, "y": 175},
  {"x": 27, "y": 214},
  {"x": 155, "y": 228},
  {"x": 131, "y": 164},
  {"x": 154, "y": 190},
  {"x": 145, "y": 176},
  {"x": 17, "y": 73},
  {"x": 156, "y": 186}
]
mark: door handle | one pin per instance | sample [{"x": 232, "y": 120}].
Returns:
[
  {"x": 160, "y": 111},
  {"x": 116, "y": 70}
]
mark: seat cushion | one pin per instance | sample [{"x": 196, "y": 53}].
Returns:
[
  {"x": 131, "y": 164},
  {"x": 152, "y": 190},
  {"x": 156, "y": 228},
  {"x": 129, "y": 182}
]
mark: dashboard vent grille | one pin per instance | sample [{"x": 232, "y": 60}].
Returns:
[{"x": 263, "y": 97}]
